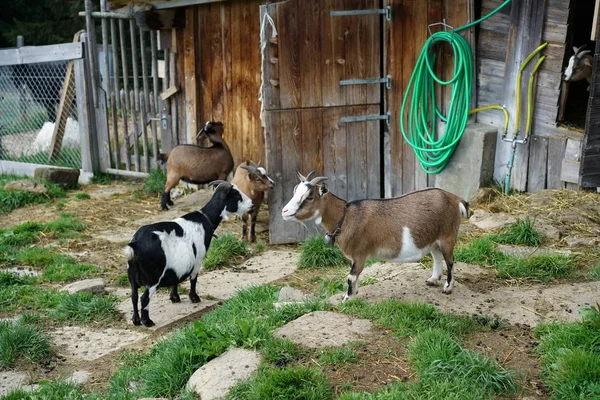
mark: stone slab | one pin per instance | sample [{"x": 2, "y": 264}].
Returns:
[
  {"x": 525, "y": 251},
  {"x": 472, "y": 164},
  {"x": 95, "y": 285},
  {"x": 21, "y": 271},
  {"x": 215, "y": 379},
  {"x": 84, "y": 343},
  {"x": 10, "y": 381},
  {"x": 488, "y": 221},
  {"x": 526, "y": 305},
  {"x": 27, "y": 186},
  {"x": 324, "y": 329},
  {"x": 62, "y": 176}
]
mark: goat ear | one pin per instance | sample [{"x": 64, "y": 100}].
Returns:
[
  {"x": 587, "y": 62},
  {"x": 323, "y": 190}
]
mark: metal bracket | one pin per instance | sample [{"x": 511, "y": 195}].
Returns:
[
  {"x": 443, "y": 23},
  {"x": 387, "y": 80},
  {"x": 386, "y": 117},
  {"x": 163, "y": 119},
  {"x": 385, "y": 11}
]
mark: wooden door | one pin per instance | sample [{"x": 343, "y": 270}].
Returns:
[{"x": 304, "y": 101}]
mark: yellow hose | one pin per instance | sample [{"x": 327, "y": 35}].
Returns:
[
  {"x": 530, "y": 98},
  {"x": 496, "y": 107},
  {"x": 519, "y": 75}
]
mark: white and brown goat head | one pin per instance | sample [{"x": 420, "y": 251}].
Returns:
[
  {"x": 308, "y": 201},
  {"x": 580, "y": 66}
]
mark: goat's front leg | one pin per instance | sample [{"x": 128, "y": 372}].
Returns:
[
  {"x": 438, "y": 264},
  {"x": 194, "y": 298},
  {"x": 357, "y": 267},
  {"x": 253, "y": 217},
  {"x": 245, "y": 218},
  {"x": 174, "y": 297}
]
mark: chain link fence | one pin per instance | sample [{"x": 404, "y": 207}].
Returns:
[{"x": 30, "y": 96}]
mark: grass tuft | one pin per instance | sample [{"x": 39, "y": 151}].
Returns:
[
  {"x": 520, "y": 233},
  {"x": 13, "y": 199},
  {"x": 57, "y": 267},
  {"x": 50, "y": 390},
  {"x": 338, "y": 355},
  {"x": 296, "y": 383},
  {"x": 224, "y": 250},
  {"x": 155, "y": 182},
  {"x": 315, "y": 253},
  {"x": 103, "y": 178},
  {"x": 86, "y": 307},
  {"x": 21, "y": 341},
  {"x": 82, "y": 196}
]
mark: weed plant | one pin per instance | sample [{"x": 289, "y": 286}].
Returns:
[
  {"x": 225, "y": 250},
  {"x": 22, "y": 341},
  {"x": 315, "y": 254}
]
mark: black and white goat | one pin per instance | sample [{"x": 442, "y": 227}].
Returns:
[
  {"x": 164, "y": 254},
  {"x": 400, "y": 229}
]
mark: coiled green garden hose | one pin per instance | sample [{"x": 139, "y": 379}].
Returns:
[{"x": 433, "y": 153}]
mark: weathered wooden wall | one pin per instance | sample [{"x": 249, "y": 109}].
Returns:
[
  {"x": 219, "y": 47},
  {"x": 590, "y": 168}
]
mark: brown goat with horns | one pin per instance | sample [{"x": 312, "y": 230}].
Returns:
[
  {"x": 253, "y": 181},
  {"x": 401, "y": 229}
]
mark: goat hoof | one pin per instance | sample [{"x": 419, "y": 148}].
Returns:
[
  {"x": 148, "y": 323},
  {"x": 175, "y": 299},
  {"x": 430, "y": 282},
  {"x": 194, "y": 298},
  {"x": 447, "y": 289},
  {"x": 170, "y": 202},
  {"x": 136, "y": 321}
]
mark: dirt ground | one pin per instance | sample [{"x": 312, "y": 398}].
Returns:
[{"x": 114, "y": 212}]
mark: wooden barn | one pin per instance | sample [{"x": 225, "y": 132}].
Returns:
[{"x": 318, "y": 85}]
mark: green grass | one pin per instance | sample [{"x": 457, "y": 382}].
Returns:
[
  {"x": 103, "y": 178},
  {"x": 155, "y": 182},
  {"x": 86, "y": 307},
  {"x": 315, "y": 253},
  {"x": 8, "y": 279},
  {"x": 541, "y": 267},
  {"x": 56, "y": 266},
  {"x": 571, "y": 356},
  {"x": 245, "y": 320},
  {"x": 297, "y": 383},
  {"x": 407, "y": 319},
  {"x": 520, "y": 233},
  {"x": 224, "y": 250},
  {"x": 337, "y": 355},
  {"x": 67, "y": 226},
  {"x": 13, "y": 199},
  {"x": 21, "y": 341},
  {"x": 280, "y": 352},
  {"x": 51, "y": 391},
  {"x": 82, "y": 196}
]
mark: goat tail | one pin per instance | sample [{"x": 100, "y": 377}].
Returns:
[
  {"x": 163, "y": 156},
  {"x": 129, "y": 252},
  {"x": 464, "y": 208}
]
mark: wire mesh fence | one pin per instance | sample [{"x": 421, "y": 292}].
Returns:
[{"x": 38, "y": 114}]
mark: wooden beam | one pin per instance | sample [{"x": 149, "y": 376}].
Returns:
[
  {"x": 595, "y": 23},
  {"x": 40, "y": 54},
  {"x": 191, "y": 85}
]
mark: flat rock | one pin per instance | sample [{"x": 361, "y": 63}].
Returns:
[
  {"x": 62, "y": 176},
  {"x": 218, "y": 285},
  {"x": 290, "y": 294},
  {"x": 488, "y": 221},
  {"x": 549, "y": 231},
  {"x": 542, "y": 198},
  {"x": 10, "y": 381},
  {"x": 79, "y": 377},
  {"x": 525, "y": 251},
  {"x": 84, "y": 343},
  {"x": 324, "y": 329},
  {"x": 576, "y": 241},
  {"x": 95, "y": 285},
  {"x": 215, "y": 379},
  {"x": 27, "y": 186},
  {"x": 20, "y": 271},
  {"x": 530, "y": 305}
]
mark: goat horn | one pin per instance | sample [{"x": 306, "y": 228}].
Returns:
[
  {"x": 318, "y": 180},
  {"x": 249, "y": 168},
  {"x": 583, "y": 53},
  {"x": 218, "y": 183},
  {"x": 301, "y": 177},
  {"x": 253, "y": 163},
  {"x": 309, "y": 174}
]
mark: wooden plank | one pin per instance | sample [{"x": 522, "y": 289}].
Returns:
[
  {"x": 144, "y": 98},
  {"x": 355, "y": 94},
  {"x": 134, "y": 138},
  {"x": 205, "y": 68},
  {"x": 370, "y": 54},
  {"x": 373, "y": 134},
  {"x": 409, "y": 57},
  {"x": 556, "y": 153},
  {"x": 594, "y": 34},
  {"x": 238, "y": 34},
  {"x": 256, "y": 150},
  {"x": 333, "y": 54},
  {"x": 570, "y": 171},
  {"x": 394, "y": 49},
  {"x": 291, "y": 154},
  {"x": 312, "y": 140},
  {"x": 246, "y": 134},
  {"x": 357, "y": 153},
  {"x": 228, "y": 46},
  {"x": 538, "y": 164},
  {"x": 189, "y": 75},
  {"x": 289, "y": 63},
  {"x": 527, "y": 21},
  {"x": 64, "y": 111},
  {"x": 41, "y": 54},
  {"x": 269, "y": 59},
  {"x": 309, "y": 49},
  {"x": 273, "y": 150},
  {"x": 334, "y": 151},
  {"x": 84, "y": 117},
  {"x": 124, "y": 110}
]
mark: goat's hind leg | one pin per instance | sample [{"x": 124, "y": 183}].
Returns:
[
  {"x": 438, "y": 263},
  {"x": 449, "y": 258},
  {"x": 357, "y": 267},
  {"x": 194, "y": 298},
  {"x": 174, "y": 296},
  {"x": 134, "y": 298},
  {"x": 145, "y": 304}
]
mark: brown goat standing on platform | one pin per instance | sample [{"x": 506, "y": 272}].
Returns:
[
  {"x": 400, "y": 229},
  {"x": 253, "y": 181},
  {"x": 196, "y": 164}
]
